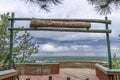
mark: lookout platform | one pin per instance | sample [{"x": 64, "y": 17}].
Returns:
[{"x": 73, "y": 73}]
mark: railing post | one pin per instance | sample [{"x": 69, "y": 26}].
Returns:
[
  {"x": 11, "y": 42},
  {"x": 108, "y": 46},
  {"x": 27, "y": 78},
  {"x": 68, "y": 78},
  {"x": 50, "y": 78},
  {"x": 87, "y": 79},
  {"x": 111, "y": 77}
]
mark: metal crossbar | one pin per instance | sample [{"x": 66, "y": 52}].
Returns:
[
  {"x": 62, "y": 30},
  {"x": 69, "y": 20}
]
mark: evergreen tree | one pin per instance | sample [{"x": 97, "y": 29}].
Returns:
[
  {"x": 25, "y": 47},
  {"x": 116, "y": 62},
  {"x": 22, "y": 44},
  {"x": 44, "y": 4},
  {"x": 4, "y": 23},
  {"x": 104, "y": 7}
]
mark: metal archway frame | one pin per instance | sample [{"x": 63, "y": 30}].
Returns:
[{"x": 107, "y": 31}]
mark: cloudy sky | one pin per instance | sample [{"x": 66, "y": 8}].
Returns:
[{"x": 67, "y": 44}]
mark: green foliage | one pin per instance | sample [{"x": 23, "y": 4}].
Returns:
[
  {"x": 1, "y": 64},
  {"x": 25, "y": 61},
  {"x": 115, "y": 62},
  {"x": 25, "y": 47},
  {"x": 52, "y": 59},
  {"x": 104, "y": 7},
  {"x": 4, "y": 23},
  {"x": 22, "y": 45},
  {"x": 44, "y": 4}
]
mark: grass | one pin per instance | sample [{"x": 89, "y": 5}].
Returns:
[{"x": 55, "y": 59}]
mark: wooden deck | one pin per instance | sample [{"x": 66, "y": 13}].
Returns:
[{"x": 73, "y": 73}]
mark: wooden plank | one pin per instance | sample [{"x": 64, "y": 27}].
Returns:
[
  {"x": 38, "y": 69},
  {"x": 15, "y": 74},
  {"x": 58, "y": 24}
]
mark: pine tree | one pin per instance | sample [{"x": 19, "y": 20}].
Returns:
[
  {"x": 25, "y": 48},
  {"x": 104, "y": 7},
  {"x": 4, "y": 23},
  {"x": 116, "y": 62},
  {"x": 22, "y": 43},
  {"x": 44, "y": 4}
]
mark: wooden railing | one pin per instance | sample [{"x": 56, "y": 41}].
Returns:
[
  {"x": 74, "y": 64},
  {"x": 9, "y": 75},
  {"x": 37, "y": 69},
  {"x": 104, "y": 73}
]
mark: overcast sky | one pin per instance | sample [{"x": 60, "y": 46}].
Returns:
[{"x": 68, "y": 9}]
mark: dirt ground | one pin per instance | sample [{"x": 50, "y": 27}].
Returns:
[{"x": 73, "y": 73}]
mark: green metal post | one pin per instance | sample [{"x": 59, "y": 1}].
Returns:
[
  {"x": 11, "y": 42},
  {"x": 108, "y": 46}
]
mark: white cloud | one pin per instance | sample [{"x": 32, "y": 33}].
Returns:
[
  {"x": 52, "y": 48},
  {"x": 81, "y": 47},
  {"x": 72, "y": 50},
  {"x": 55, "y": 48}
]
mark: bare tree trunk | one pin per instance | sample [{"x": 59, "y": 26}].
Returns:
[{"x": 58, "y": 24}]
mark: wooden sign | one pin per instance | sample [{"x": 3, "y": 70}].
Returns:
[{"x": 37, "y": 23}]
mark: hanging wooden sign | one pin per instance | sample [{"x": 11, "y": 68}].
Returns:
[{"x": 37, "y": 23}]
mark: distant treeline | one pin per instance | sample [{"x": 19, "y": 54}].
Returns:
[{"x": 67, "y": 58}]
